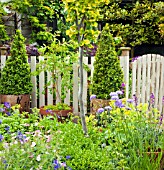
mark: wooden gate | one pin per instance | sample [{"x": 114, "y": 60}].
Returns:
[{"x": 147, "y": 78}]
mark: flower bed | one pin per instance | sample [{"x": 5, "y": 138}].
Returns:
[{"x": 118, "y": 138}]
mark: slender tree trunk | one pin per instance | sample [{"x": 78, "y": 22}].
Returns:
[{"x": 82, "y": 114}]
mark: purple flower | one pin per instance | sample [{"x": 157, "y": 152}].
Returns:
[
  {"x": 20, "y": 136},
  {"x": 8, "y": 113},
  {"x": 68, "y": 157},
  {"x": 7, "y": 105},
  {"x": 100, "y": 110},
  {"x": 63, "y": 164},
  {"x": 7, "y": 128},
  {"x": 114, "y": 98},
  {"x": 113, "y": 94},
  {"x": 1, "y": 138},
  {"x": 0, "y": 121},
  {"x": 135, "y": 99},
  {"x": 130, "y": 100},
  {"x": 93, "y": 96},
  {"x": 119, "y": 92},
  {"x": 123, "y": 85},
  {"x": 152, "y": 98},
  {"x": 118, "y": 103},
  {"x": 161, "y": 119},
  {"x": 108, "y": 108},
  {"x": 56, "y": 164},
  {"x": 163, "y": 100}
]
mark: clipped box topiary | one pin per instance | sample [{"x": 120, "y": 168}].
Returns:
[
  {"x": 108, "y": 74},
  {"x": 15, "y": 82}
]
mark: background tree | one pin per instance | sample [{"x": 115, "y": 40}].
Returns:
[{"x": 82, "y": 15}]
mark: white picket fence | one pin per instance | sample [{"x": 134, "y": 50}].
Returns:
[{"x": 147, "y": 78}]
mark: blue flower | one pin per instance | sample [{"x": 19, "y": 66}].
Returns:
[
  {"x": 107, "y": 108},
  {"x": 119, "y": 92},
  {"x": 7, "y": 105},
  {"x": 118, "y": 103},
  {"x": 8, "y": 113},
  {"x": 130, "y": 100},
  {"x": 69, "y": 168},
  {"x": 0, "y": 121},
  {"x": 68, "y": 157},
  {"x": 1, "y": 138},
  {"x": 114, "y": 98},
  {"x": 56, "y": 164},
  {"x": 100, "y": 110},
  {"x": 93, "y": 96},
  {"x": 113, "y": 94},
  {"x": 20, "y": 136},
  {"x": 7, "y": 128}
]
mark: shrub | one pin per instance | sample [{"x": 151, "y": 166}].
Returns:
[
  {"x": 108, "y": 75},
  {"x": 16, "y": 75}
]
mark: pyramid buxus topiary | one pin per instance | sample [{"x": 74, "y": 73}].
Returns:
[
  {"x": 108, "y": 74},
  {"x": 16, "y": 74}
]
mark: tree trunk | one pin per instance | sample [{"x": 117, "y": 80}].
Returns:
[{"x": 82, "y": 114}]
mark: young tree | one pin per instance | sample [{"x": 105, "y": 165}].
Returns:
[{"x": 82, "y": 15}]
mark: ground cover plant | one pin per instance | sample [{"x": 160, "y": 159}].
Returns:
[{"x": 119, "y": 137}]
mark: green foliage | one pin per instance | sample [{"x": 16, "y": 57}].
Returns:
[
  {"x": 58, "y": 106},
  {"x": 132, "y": 132},
  {"x": 108, "y": 75},
  {"x": 58, "y": 61},
  {"x": 45, "y": 16},
  {"x": 16, "y": 75},
  {"x": 137, "y": 23},
  {"x": 3, "y": 35},
  {"x": 122, "y": 143}
]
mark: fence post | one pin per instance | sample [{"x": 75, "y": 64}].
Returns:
[{"x": 124, "y": 62}]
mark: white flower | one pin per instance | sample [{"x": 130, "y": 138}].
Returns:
[
  {"x": 33, "y": 144},
  {"x": 38, "y": 158}
]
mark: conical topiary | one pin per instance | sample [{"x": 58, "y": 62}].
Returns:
[
  {"x": 108, "y": 74},
  {"x": 16, "y": 74}
]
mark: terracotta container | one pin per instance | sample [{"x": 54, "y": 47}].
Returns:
[
  {"x": 23, "y": 100},
  {"x": 61, "y": 114},
  {"x": 98, "y": 103}
]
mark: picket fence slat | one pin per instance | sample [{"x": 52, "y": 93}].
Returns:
[
  {"x": 41, "y": 85},
  {"x": 139, "y": 78},
  {"x": 161, "y": 88},
  {"x": 34, "y": 82},
  {"x": 157, "y": 79},
  {"x": 3, "y": 60},
  {"x": 134, "y": 75},
  {"x": 143, "y": 83},
  {"x": 153, "y": 74},
  {"x": 92, "y": 66},
  {"x": 148, "y": 81}
]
